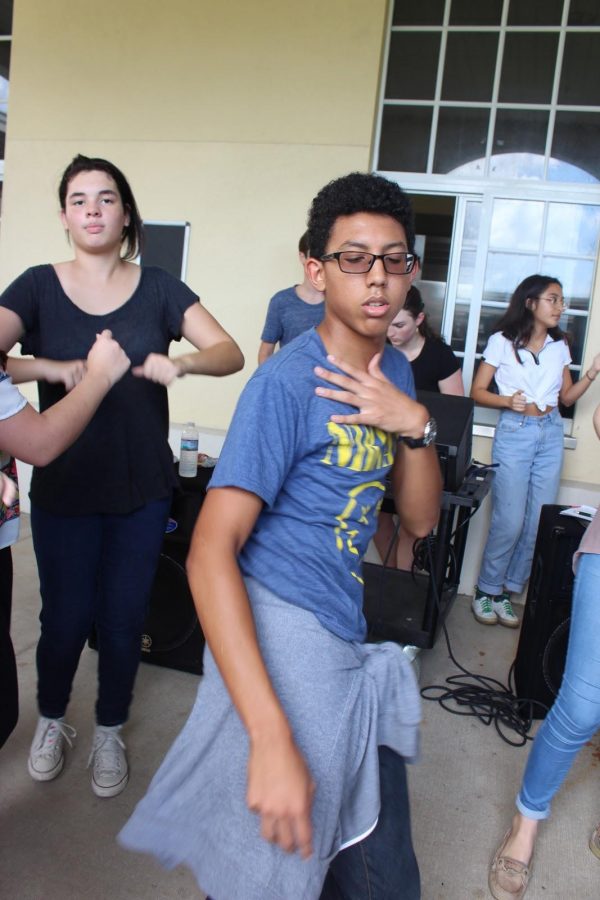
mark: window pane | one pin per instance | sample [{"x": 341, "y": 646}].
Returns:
[
  {"x": 576, "y": 276},
  {"x": 572, "y": 229},
  {"x": 520, "y": 131},
  {"x": 575, "y": 326},
  {"x": 412, "y": 66},
  {"x": 474, "y": 12},
  {"x": 519, "y": 143},
  {"x": 472, "y": 220},
  {"x": 459, "y": 327},
  {"x": 528, "y": 68},
  {"x": 6, "y": 15},
  {"x": 579, "y": 86},
  {"x": 405, "y": 132},
  {"x": 504, "y": 271},
  {"x": 488, "y": 320},
  {"x": 469, "y": 67},
  {"x": 575, "y": 154},
  {"x": 517, "y": 224},
  {"x": 464, "y": 289},
  {"x": 433, "y": 299},
  {"x": 535, "y": 12},
  {"x": 407, "y": 13},
  {"x": 584, "y": 12},
  {"x": 4, "y": 58},
  {"x": 461, "y": 138}
]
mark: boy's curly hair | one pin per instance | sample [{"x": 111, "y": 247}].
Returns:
[{"x": 355, "y": 193}]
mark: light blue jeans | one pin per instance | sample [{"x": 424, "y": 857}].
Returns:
[
  {"x": 529, "y": 453},
  {"x": 575, "y": 714}
]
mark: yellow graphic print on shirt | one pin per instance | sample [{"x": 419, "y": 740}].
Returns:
[{"x": 363, "y": 449}]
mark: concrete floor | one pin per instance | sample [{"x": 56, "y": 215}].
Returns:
[{"x": 57, "y": 839}]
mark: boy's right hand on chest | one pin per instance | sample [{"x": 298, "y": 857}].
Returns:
[{"x": 280, "y": 791}]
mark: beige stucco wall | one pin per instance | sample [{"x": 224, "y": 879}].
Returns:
[{"x": 229, "y": 115}]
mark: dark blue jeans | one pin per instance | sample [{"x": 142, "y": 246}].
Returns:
[
  {"x": 94, "y": 569},
  {"x": 383, "y": 866}
]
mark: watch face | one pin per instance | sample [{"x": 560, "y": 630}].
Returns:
[
  {"x": 429, "y": 436},
  {"x": 430, "y": 433}
]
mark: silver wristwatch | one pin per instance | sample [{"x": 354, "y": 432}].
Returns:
[{"x": 429, "y": 436}]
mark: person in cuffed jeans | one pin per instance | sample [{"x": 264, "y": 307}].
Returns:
[
  {"x": 570, "y": 724},
  {"x": 528, "y": 358},
  {"x": 528, "y": 453}
]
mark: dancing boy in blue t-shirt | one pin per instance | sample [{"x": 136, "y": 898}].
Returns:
[{"x": 288, "y": 779}]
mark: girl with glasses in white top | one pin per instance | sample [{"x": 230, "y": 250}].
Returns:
[{"x": 528, "y": 356}]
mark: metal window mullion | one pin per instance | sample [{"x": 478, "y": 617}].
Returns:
[
  {"x": 457, "y": 245},
  {"x": 438, "y": 88},
  {"x": 480, "y": 104},
  {"x": 495, "y": 89},
  {"x": 544, "y": 29},
  {"x": 554, "y": 98},
  {"x": 477, "y": 291},
  {"x": 543, "y": 234},
  {"x": 403, "y": 102}
]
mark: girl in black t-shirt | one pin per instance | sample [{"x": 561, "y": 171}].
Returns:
[
  {"x": 434, "y": 365},
  {"x": 435, "y": 368},
  {"x": 98, "y": 512}
]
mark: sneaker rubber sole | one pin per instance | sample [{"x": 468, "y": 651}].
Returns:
[
  {"x": 111, "y": 791},
  {"x": 485, "y": 620},
  {"x": 508, "y": 623}
]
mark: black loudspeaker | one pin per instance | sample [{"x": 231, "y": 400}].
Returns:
[
  {"x": 171, "y": 635},
  {"x": 454, "y": 418},
  {"x": 542, "y": 648}
]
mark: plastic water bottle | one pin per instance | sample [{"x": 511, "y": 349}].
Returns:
[{"x": 188, "y": 454}]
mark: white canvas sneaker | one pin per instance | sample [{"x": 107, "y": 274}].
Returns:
[
  {"x": 482, "y": 606},
  {"x": 503, "y": 609},
  {"x": 47, "y": 754},
  {"x": 110, "y": 771}
]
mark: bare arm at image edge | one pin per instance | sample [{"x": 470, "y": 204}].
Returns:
[{"x": 38, "y": 438}]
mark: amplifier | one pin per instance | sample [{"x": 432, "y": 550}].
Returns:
[
  {"x": 454, "y": 417},
  {"x": 542, "y": 648}
]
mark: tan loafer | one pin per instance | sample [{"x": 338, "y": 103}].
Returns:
[
  {"x": 508, "y": 878},
  {"x": 595, "y": 841}
]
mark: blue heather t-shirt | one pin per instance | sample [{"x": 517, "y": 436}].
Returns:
[
  {"x": 288, "y": 316},
  {"x": 322, "y": 483}
]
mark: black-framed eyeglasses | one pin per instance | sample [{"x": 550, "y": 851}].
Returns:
[{"x": 355, "y": 262}]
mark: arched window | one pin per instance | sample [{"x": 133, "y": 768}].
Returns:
[{"x": 489, "y": 117}]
